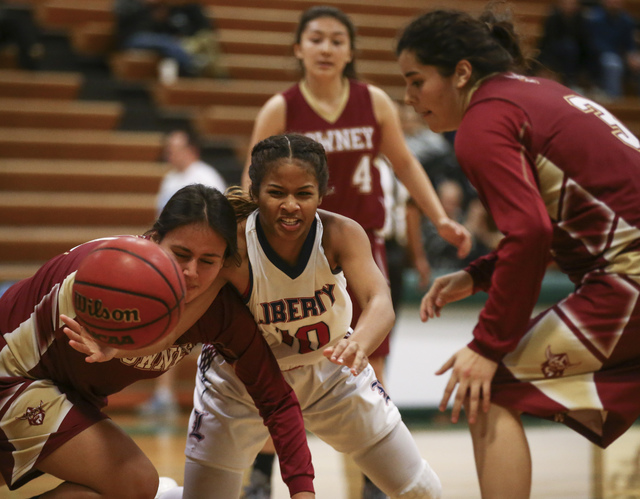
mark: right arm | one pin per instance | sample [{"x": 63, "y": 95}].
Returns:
[
  {"x": 271, "y": 120},
  {"x": 81, "y": 341}
]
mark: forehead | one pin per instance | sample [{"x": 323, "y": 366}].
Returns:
[
  {"x": 291, "y": 170},
  {"x": 407, "y": 61},
  {"x": 326, "y": 25}
]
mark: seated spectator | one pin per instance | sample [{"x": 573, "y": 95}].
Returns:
[
  {"x": 17, "y": 28},
  {"x": 425, "y": 243},
  {"x": 564, "y": 46},
  {"x": 612, "y": 34},
  {"x": 178, "y": 32}
]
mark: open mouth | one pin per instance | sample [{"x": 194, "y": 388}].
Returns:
[{"x": 290, "y": 223}]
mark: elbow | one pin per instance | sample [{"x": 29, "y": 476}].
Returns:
[{"x": 534, "y": 237}]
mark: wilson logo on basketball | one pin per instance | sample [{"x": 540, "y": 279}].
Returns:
[{"x": 95, "y": 308}]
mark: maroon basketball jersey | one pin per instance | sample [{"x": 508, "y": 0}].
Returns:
[
  {"x": 561, "y": 178},
  {"x": 352, "y": 143}
]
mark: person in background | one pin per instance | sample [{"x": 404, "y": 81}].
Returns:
[
  {"x": 612, "y": 34},
  {"x": 17, "y": 28},
  {"x": 355, "y": 122},
  {"x": 179, "y": 32},
  {"x": 428, "y": 253},
  {"x": 182, "y": 152},
  {"x": 565, "y": 48},
  {"x": 560, "y": 176}
]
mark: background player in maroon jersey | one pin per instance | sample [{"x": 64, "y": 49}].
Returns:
[
  {"x": 561, "y": 177},
  {"x": 52, "y": 395},
  {"x": 354, "y": 122}
]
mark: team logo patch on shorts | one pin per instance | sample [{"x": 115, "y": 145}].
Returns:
[
  {"x": 34, "y": 415},
  {"x": 555, "y": 364},
  {"x": 377, "y": 386}
]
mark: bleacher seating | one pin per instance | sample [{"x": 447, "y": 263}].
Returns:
[{"x": 68, "y": 174}]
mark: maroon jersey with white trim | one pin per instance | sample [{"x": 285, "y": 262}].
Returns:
[
  {"x": 33, "y": 346},
  {"x": 352, "y": 143},
  {"x": 561, "y": 177}
]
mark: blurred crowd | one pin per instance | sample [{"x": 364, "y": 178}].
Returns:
[{"x": 591, "y": 46}]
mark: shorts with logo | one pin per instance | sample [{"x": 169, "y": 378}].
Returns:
[
  {"x": 36, "y": 418},
  {"x": 348, "y": 412},
  {"x": 579, "y": 362}
]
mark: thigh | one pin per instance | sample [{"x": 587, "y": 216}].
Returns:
[
  {"x": 104, "y": 459},
  {"x": 225, "y": 428},
  {"x": 594, "y": 328},
  {"x": 347, "y": 412},
  {"x": 579, "y": 362},
  {"x": 36, "y": 419}
]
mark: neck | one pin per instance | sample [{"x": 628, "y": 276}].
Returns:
[{"x": 326, "y": 90}]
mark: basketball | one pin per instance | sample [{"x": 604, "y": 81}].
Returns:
[{"x": 128, "y": 293}]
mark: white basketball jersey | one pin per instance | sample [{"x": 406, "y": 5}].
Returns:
[{"x": 301, "y": 310}]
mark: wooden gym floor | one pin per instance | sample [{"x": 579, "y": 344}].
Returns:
[{"x": 565, "y": 465}]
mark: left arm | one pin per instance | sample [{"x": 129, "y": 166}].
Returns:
[
  {"x": 410, "y": 172},
  {"x": 347, "y": 246}
]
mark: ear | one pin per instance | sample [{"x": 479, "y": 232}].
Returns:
[
  {"x": 463, "y": 73},
  {"x": 297, "y": 51}
]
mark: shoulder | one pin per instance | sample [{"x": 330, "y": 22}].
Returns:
[
  {"x": 383, "y": 106},
  {"x": 337, "y": 229},
  {"x": 276, "y": 104},
  {"x": 271, "y": 117}
]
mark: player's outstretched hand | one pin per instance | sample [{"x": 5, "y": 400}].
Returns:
[
  {"x": 456, "y": 234},
  {"x": 347, "y": 353},
  {"x": 445, "y": 289},
  {"x": 472, "y": 374},
  {"x": 82, "y": 341}
]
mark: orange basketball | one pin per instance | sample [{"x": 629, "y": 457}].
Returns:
[{"x": 128, "y": 293}]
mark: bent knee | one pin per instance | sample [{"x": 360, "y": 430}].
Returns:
[
  {"x": 425, "y": 486},
  {"x": 137, "y": 482}
]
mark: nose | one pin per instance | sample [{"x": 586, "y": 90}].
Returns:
[
  {"x": 408, "y": 99},
  {"x": 326, "y": 45},
  {"x": 290, "y": 204},
  {"x": 190, "y": 269}
]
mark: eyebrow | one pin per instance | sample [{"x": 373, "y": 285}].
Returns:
[
  {"x": 410, "y": 73},
  {"x": 187, "y": 250}
]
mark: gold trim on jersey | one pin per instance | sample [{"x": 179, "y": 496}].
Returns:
[
  {"x": 626, "y": 263},
  {"x": 314, "y": 102},
  {"x": 550, "y": 178},
  {"x": 552, "y": 181}
]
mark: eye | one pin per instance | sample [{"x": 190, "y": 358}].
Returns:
[
  {"x": 274, "y": 193},
  {"x": 181, "y": 256}
]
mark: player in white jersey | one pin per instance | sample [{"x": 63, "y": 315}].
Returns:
[{"x": 295, "y": 265}]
